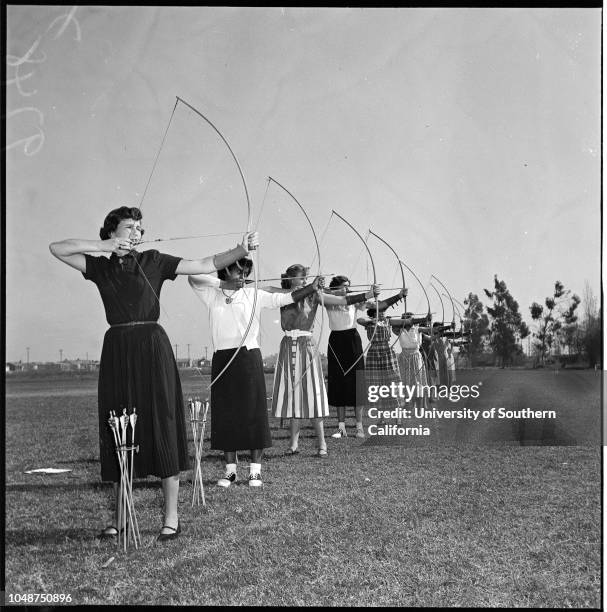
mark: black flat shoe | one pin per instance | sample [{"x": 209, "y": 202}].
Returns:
[
  {"x": 106, "y": 535},
  {"x": 163, "y": 537}
]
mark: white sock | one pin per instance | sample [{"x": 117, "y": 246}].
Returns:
[
  {"x": 255, "y": 468},
  {"x": 359, "y": 425},
  {"x": 230, "y": 467},
  {"x": 342, "y": 425}
]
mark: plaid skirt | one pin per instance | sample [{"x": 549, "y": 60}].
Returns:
[
  {"x": 381, "y": 368},
  {"x": 294, "y": 396}
]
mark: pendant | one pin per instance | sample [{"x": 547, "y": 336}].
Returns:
[{"x": 229, "y": 300}]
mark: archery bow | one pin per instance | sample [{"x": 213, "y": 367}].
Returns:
[
  {"x": 452, "y": 307},
  {"x": 441, "y": 303},
  {"x": 402, "y": 274},
  {"x": 319, "y": 272},
  {"x": 376, "y": 300},
  {"x": 246, "y": 333},
  {"x": 210, "y": 123}
]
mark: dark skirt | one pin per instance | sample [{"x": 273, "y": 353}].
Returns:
[
  {"x": 443, "y": 370},
  {"x": 138, "y": 369},
  {"x": 345, "y": 347},
  {"x": 239, "y": 414}
]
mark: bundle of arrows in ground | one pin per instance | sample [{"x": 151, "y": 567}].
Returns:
[
  {"x": 198, "y": 422},
  {"x": 125, "y": 452}
]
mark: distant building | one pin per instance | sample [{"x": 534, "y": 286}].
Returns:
[
  {"x": 46, "y": 367},
  {"x": 76, "y": 365}
]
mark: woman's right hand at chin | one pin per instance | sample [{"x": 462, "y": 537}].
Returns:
[{"x": 113, "y": 245}]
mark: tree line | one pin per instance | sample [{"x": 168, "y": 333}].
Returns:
[{"x": 565, "y": 328}]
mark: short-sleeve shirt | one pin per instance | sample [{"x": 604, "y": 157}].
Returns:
[
  {"x": 229, "y": 320},
  {"x": 344, "y": 317},
  {"x": 130, "y": 285}
]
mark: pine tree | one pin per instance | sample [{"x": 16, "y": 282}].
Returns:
[
  {"x": 556, "y": 321},
  {"x": 477, "y": 323},
  {"x": 507, "y": 325}
]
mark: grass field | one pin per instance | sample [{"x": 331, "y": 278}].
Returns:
[{"x": 477, "y": 514}]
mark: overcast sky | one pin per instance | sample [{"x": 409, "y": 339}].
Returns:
[{"x": 468, "y": 138}]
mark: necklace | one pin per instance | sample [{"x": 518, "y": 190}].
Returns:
[{"x": 229, "y": 299}]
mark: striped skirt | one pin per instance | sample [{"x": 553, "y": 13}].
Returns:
[{"x": 294, "y": 396}]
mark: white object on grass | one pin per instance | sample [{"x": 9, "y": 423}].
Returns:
[{"x": 47, "y": 471}]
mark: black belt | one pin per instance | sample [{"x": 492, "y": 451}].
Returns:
[{"x": 130, "y": 323}]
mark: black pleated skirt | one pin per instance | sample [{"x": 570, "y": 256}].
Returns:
[
  {"x": 239, "y": 414},
  {"x": 138, "y": 369},
  {"x": 345, "y": 347}
]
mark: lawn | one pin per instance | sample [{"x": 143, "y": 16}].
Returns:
[{"x": 477, "y": 514}]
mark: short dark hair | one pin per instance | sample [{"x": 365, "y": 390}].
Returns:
[
  {"x": 336, "y": 281},
  {"x": 114, "y": 217},
  {"x": 372, "y": 313},
  {"x": 243, "y": 262},
  {"x": 286, "y": 279}
]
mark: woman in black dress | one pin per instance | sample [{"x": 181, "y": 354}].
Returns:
[
  {"x": 345, "y": 365},
  {"x": 137, "y": 366}
]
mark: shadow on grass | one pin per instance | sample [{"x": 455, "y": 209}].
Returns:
[
  {"x": 77, "y": 486},
  {"x": 545, "y": 432},
  {"x": 41, "y": 537}
]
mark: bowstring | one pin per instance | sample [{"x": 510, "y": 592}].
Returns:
[
  {"x": 369, "y": 340},
  {"x": 322, "y": 237},
  {"x": 166, "y": 131},
  {"x": 256, "y": 263},
  {"x": 158, "y": 154},
  {"x": 316, "y": 253}
]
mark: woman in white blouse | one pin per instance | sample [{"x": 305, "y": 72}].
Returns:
[{"x": 239, "y": 416}]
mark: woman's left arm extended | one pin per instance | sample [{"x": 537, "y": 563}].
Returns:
[
  {"x": 208, "y": 265},
  {"x": 358, "y": 299},
  {"x": 383, "y": 304},
  {"x": 365, "y": 322}
]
